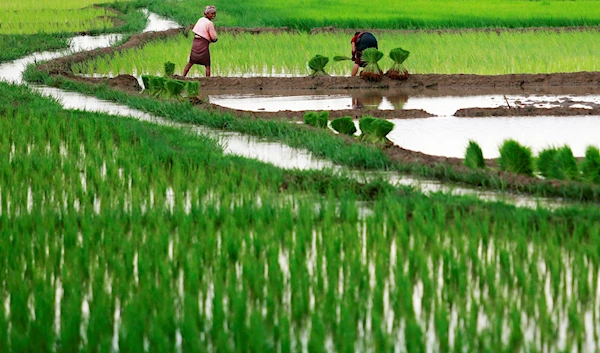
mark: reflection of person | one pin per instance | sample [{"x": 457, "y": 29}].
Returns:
[
  {"x": 360, "y": 42},
  {"x": 204, "y": 34},
  {"x": 367, "y": 101}
]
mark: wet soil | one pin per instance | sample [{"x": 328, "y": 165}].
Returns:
[{"x": 428, "y": 84}]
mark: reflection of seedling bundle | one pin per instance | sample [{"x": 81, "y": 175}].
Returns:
[
  {"x": 398, "y": 71},
  {"x": 169, "y": 68},
  {"x": 374, "y": 130},
  {"x": 344, "y": 125},
  {"x": 372, "y": 72},
  {"x": 317, "y": 119},
  {"x": 317, "y": 65}
]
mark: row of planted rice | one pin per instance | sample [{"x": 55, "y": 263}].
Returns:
[
  {"x": 132, "y": 235},
  {"x": 288, "y": 54},
  {"x": 29, "y": 17}
]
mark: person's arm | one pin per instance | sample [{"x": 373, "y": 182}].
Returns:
[
  {"x": 353, "y": 51},
  {"x": 212, "y": 32}
]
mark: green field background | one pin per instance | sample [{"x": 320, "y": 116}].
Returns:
[{"x": 409, "y": 14}]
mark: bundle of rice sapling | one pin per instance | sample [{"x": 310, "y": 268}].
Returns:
[
  {"x": 398, "y": 71},
  {"x": 317, "y": 65},
  {"x": 371, "y": 72}
]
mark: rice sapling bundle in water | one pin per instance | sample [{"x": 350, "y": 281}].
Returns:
[
  {"x": 344, "y": 125},
  {"x": 591, "y": 164},
  {"x": 169, "y": 68},
  {"x": 175, "y": 88},
  {"x": 398, "y": 71},
  {"x": 317, "y": 65},
  {"x": 474, "y": 156},
  {"x": 192, "y": 88},
  {"x": 146, "y": 82},
  {"x": 371, "y": 72},
  {"x": 315, "y": 119},
  {"x": 157, "y": 86},
  {"x": 374, "y": 130}
]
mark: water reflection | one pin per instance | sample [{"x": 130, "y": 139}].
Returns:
[{"x": 391, "y": 100}]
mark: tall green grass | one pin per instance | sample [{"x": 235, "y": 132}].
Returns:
[
  {"x": 447, "y": 53},
  {"x": 411, "y": 14},
  {"x": 152, "y": 235}
]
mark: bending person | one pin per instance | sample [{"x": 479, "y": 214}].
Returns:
[
  {"x": 360, "y": 42},
  {"x": 204, "y": 35}
]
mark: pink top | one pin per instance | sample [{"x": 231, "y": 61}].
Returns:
[{"x": 205, "y": 29}]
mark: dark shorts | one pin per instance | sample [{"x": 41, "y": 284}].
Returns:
[{"x": 200, "y": 54}]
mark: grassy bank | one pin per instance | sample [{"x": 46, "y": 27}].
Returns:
[{"x": 411, "y": 14}]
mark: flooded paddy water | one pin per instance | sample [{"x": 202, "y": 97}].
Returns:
[{"x": 443, "y": 134}]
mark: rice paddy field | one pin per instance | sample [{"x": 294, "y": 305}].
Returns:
[
  {"x": 125, "y": 236},
  {"x": 288, "y": 54},
  {"x": 120, "y": 235},
  {"x": 29, "y": 17},
  {"x": 410, "y": 14}
]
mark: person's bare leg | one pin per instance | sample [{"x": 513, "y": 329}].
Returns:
[
  {"x": 187, "y": 68},
  {"x": 355, "y": 69},
  {"x": 207, "y": 71}
]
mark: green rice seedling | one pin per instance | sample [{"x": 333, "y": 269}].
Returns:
[
  {"x": 515, "y": 158},
  {"x": 157, "y": 86},
  {"x": 169, "y": 68},
  {"x": 398, "y": 71},
  {"x": 174, "y": 88},
  {"x": 382, "y": 127},
  {"x": 315, "y": 119},
  {"x": 146, "y": 81},
  {"x": 371, "y": 72},
  {"x": 317, "y": 65},
  {"x": 590, "y": 167},
  {"x": 192, "y": 88},
  {"x": 365, "y": 124},
  {"x": 546, "y": 163},
  {"x": 566, "y": 164},
  {"x": 474, "y": 156},
  {"x": 344, "y": 125},
  {"x": 341, "y": 58},
  {"x": 374, "y": 130}
]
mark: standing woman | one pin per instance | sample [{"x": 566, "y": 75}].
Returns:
[{"x": 204, "y": 34}]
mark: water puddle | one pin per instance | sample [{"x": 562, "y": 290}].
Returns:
[
  {"x": 446, "y": 135},
  {"x": 234, "y": 143},
  {"x": 449, "y": 136},
  {"x": 386, "y": 100}
]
